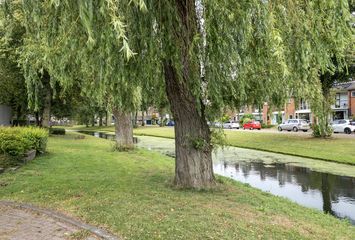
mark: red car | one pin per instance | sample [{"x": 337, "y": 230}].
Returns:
[{"x": 252, "y": 125}]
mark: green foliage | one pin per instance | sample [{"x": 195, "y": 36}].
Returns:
[
  {"x": 16, "y": 141},
  {"x": 279, "y": 118},
  {"x": 264, "y": 125},
  {"x": 246, "y": 118},
  {"x": 57, "y": 131},
  {"x": 225, "y": 118},
  {"x": 115, "y": 49},
  {"x": 199, "y": 143},
  {"x": 218, "y": 138},
  {"x": 318, "y": 131}
]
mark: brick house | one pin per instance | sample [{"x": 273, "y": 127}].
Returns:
[{"x": 344, "y": 107}]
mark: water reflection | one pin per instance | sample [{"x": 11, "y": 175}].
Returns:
[{"x": 331, "y": 193}]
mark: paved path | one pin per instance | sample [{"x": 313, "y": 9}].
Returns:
[{"x": 26, "y": 222}]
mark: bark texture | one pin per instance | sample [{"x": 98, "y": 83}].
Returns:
[
  {"x": 193, "y": 150},
  {"x": 123, "y": 130},
  {"x": 193, "y": 166}
]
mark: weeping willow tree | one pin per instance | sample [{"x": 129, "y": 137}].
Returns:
[{"x": 207, "y": 54}]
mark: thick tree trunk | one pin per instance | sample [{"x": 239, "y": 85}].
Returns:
[
  {"x": 193, "y": 164},
  {"x": 123, "y": 130},
  {"x": 46, "y": 116}
]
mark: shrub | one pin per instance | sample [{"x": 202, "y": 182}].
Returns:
[
  {"x": 263, "y": 125},
  {"x": 57, "y": 131},
  {"x": 317, "y": 131},
  {"x": 246, "y": 118},
  {"x": 15, "y": 142}
]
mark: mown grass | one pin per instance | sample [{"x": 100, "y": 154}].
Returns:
[
  {"x": 130, "y": 194},
  {"x": 339, "y": 149}
]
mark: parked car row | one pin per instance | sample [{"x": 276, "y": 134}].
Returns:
[{"x": 339, "y": 126}]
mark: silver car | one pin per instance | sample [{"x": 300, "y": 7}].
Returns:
[
  {"x": 231, "y": 125},
  {"x": 295, "y": 125}
]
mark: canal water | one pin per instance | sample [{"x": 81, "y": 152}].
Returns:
[{"x": 326, "y": 186}]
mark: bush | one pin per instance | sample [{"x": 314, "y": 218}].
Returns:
[
  {"x": 317, "y": 131},
  {"x": 246, "y": 118},
  {"x": 263, "y": 125},
  {"x": 15, "y": 142},
  {"x": 57, "y": 131}
]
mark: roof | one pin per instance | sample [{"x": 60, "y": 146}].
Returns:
[
  {"x": 352, "y": 86},
  {"x": 345, "y": 86}
]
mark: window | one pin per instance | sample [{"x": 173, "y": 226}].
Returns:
[
  {"x": 337, "y": 100},
  {"x": 303, "y": 105},
  {"x": 353, "y": 94}
]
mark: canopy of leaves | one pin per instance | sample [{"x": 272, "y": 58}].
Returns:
[{"x": 240, "y": 51}]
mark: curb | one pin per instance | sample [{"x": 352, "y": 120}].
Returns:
[{"x": 103, "y": 234}]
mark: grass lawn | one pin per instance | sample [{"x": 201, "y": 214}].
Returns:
[
  {"x": 130, "y": 195},
  {"x": 334, "y": 149}
]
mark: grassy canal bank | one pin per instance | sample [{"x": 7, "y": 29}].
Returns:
[
  {"x": 130, "y": 194},
  {"x": 337, "y": 149}
]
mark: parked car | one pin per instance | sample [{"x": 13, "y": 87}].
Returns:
[
  {"x": 295, "y": 125},
  {"x": 343, "y": 126},
  {"x": 231, "y": 125},
  {"x": 252, "y": 125}
]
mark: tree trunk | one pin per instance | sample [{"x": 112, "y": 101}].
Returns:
[
  {"x": 123, "y": 130},
  {"x": 143, "y": 123},
  {"x": 38, "y": 123},
  {"x": 135, "y": 121},
  {"x": 46, "y": 116},
  {"x": 100, "y": 120},
  {"x": 93, "y": 121},
  {"x": 193, "y": 150},
  {"x": 161, "y": 119},
  {"x": 106, "y": 123}
]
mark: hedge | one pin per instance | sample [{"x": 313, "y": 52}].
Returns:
[
  {"x": 16, "y": 141},
  {"x": 57, "y": 131}
]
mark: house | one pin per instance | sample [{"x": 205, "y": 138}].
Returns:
[
  {"x": 5, "y": 115},
  {"x": 343, "y": 108}
]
